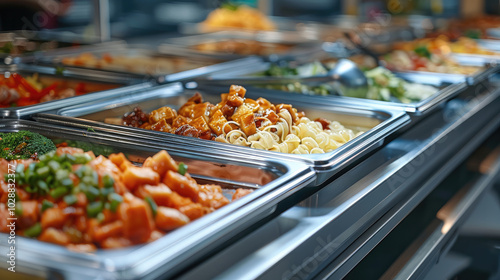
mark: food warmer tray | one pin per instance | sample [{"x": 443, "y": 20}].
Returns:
[
  {"x": 45, "y": 41},
  {"x": 380, "y": 122},
  {"x": 195, "y": 65},
  {"x": 327, "y": 235},
  {"x": 126, "y": 84},
  {"x": 450, "y": 86},
  {"x": 300, "y": 44},
  {"x": 275, "y": 183}
]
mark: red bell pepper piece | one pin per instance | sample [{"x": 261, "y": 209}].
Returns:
[{"x": 34, "y": 94}]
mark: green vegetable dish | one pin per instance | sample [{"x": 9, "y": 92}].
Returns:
[
  {"x": 382, "y": 83},
  {"x": 24, "y": 145}
]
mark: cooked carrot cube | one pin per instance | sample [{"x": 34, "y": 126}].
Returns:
[
  {"x": 168, "y": 219},
  {"x": 194, "y": 211},
  {"x": 182, "y": 185},
  {"x": 118, "y": 159},
  {"x": 55, "y": 236},
  {"x": 115, "y": 243},
  {"x": 53, "y": 218},
  {"x": 113, "y": 229},
  {"x": 137, "y": 219},
  {"x": 82, "y": 248},
  {"x": 134, "y": 176},
  {"x": 239, "y": 193},
  {"x": 211, "y": 196},
  {"x": 29, "y": 213},
  {"x": 161, "y": 163}
]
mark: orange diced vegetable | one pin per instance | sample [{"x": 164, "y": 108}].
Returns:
[
  {"x": 168, "y": 219},
  {"x": 113, "y": 229},
  {"x": 55, "y": 236},
  {"x": 211, "y": 196},
  {"x": 29, "y": 213},
  {"x": 239, "y": 193},
  {"x": 133, "y": 177},
  {"x": 53, "y": 217},
  {"x": 194, "y": 211},
  {"x": 115, "y": 243},
  {"x": 182, "y": 185},
  {"x": 161, "y": 163},
  {"x": 137, "y": 219}
]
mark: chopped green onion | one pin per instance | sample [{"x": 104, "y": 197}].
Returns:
[
  {"x": 54, "y": 165},
  {"x": 44, "y": 171},
  {"x": 67, "y": 182},
  {"x": 19, "y": 209},
  {"x": 91, "y": 193},
  {"x": 58, "y": 192},
  {"x": 182, "y": 168},
  {"x": 34, "y": 231},
  {"x": 43, "y": 186},
  {"x": 108, "y": 181},
  {"x": 100, "y": 217},
  {"x": 20, "y": 168},
  {"x": 46, "y": 205},
  {"x": 114, "y": 201},
  {"x": 94, "y": 208},
  {"x": 152, "y": 204},
  {"x": 70, "y": 199}
]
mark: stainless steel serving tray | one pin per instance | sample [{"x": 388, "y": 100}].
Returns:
[
  {"x": 299, "y": 44},
  {"x": 449, "y": 86},
  {"x": 42, "y": 41},
  {"x": 175, "y": 66},
  {"x": 274, "y": 181},
  {"x": 381, "y": 122},
  {"x": 125, "y": 82}
]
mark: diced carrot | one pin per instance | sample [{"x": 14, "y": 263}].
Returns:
[
  {"x": 22, "y": 194},
  {"x": 155, "y": 235},
  {"x": 211, "y": 196},
  {"x": 161, "y": 194},
  {"x": 161, "y": 163},
  {"x": 29, "y": 213},
  {"x": 82, "y": 248},
  {"x": 113, "y": 229},
  {"x": 168, "y": 219},
  {"x": 118, "y": 159},
  {"x": 115, "y": 243},
  {"x": 81, "y": 199},
  {"x": 137, "y": 219},
  {"x": 193, "y": 211},
  {"x": 133, "y": 177},
  {"x": 239, "y": 193},
  {"x": 53, "y": 217},
  {"x": 68, "y": 150},
  {"x": 177, "y": 201},
  {"x": 81, "y": 223},
  {"x": 53, "y": 235},
  {"x": 182, "y": 185}
]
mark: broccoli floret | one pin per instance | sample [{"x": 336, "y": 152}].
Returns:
[{"x": 24, "y": 145}]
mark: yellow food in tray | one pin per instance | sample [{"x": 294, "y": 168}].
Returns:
[
  {"x": 239, "y": 17},
  {"x": 246, "y": 122},
  {"x": 443, "y": 45}
]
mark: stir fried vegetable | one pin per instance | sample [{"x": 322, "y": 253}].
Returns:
[{"x": 24, "y": 145}]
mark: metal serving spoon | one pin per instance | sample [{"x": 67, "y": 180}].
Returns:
[{"x": 346, "y": 77}]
